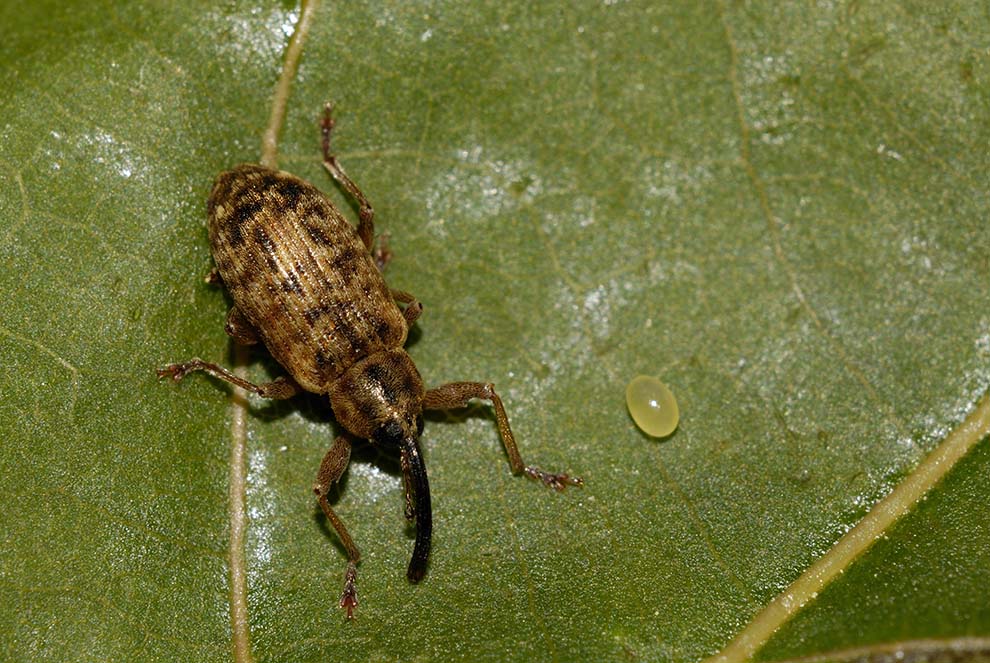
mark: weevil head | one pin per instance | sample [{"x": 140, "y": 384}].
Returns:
[{"x": 380, "y": 398}]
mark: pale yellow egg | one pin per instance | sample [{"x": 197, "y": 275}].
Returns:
[{"x": 652, "y": 406}]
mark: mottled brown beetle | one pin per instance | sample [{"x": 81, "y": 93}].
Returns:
[{"x": 307, "y": 285}]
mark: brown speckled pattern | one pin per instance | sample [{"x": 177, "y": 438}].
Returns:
[{"x": 300, "y": 274}]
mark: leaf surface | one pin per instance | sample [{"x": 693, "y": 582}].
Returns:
[{"x": 778, "y": 209}]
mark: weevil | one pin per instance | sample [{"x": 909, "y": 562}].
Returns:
[{"x": 310, "y": 288}]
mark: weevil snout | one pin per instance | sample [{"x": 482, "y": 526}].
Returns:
[
  {"x": 403, "y": 435},
  {"x": 395, "y": 433},
  {"x": 415, "y": 473}
]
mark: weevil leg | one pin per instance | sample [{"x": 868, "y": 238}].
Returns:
[
  {"x": 278, "y": 389},
  {"x": 382, "y": 253},
  {"x": 239, "y": 328},
  {"x": 413, "y": 306},
  {"x": 334, "y": 463},
  {"x": 366, "y": 215},
  {"x": 457, "y": 394}
]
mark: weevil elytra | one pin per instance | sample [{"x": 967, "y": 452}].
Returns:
[{"x": 307, "y": 286}]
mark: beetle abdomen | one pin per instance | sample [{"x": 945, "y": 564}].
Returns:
[{"x": 300, "y": 274}]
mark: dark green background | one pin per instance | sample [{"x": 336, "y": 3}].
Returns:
[{"x": 778, "y": 209}]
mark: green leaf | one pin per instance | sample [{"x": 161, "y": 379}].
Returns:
[
  {"x": 925, "y": 581},
  {"x": 778, "y": 209}
]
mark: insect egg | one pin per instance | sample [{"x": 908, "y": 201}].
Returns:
[{"x": 652, "y": 406}]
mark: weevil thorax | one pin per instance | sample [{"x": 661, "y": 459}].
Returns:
[{"x": 380, "y": 398}]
